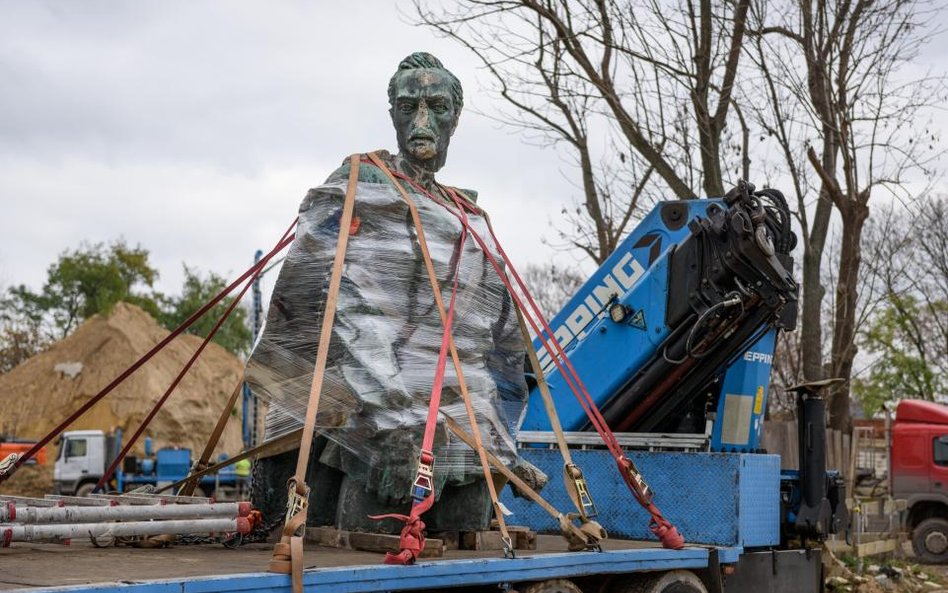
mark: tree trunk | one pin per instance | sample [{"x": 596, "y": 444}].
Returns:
[
  {"x": 811, "y": 324},
  {"x": 854, "y": 215}
]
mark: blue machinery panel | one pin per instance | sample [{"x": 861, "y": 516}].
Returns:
[
  {"x": 430, "y": 575},
  {"x": 724, "y": 499},
  {"x": 743, "y": 399},
  {"x": 636, "y": 275},
  {"x": 609, "y": 354}
]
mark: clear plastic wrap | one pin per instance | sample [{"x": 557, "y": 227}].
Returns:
[{"x": 385, "y": 340}]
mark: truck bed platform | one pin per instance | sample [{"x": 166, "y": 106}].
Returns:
[{"x": 207, "y": 568}]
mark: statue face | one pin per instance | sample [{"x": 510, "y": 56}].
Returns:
[{"x": 424, "y": 116}]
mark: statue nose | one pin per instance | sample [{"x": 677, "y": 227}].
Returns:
[{"x": 421, "y": 117}]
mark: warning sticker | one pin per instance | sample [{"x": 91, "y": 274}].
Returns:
[
  {"x": 759, "y": 400},
  {"x": 638, "y": 319}
]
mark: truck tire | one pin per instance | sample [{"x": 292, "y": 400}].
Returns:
[
  {"x": 551, "y": 586},
  {"x": 85, "y": 489},
  {"x": 930, "y": 540},
  {"x": 676, "y": 581}
]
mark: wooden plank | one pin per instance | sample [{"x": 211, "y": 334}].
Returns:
[
  {"x": 327, "y": 536},
  {"x": 451, "y": 539},
  {"x": 838, "y": 546},
  {"x": 525, "y": 540},
  {"x": 877, "y": 547},
  {"x": 834, "y": 442},
  {"x": 847, "y": 463},
  {"x": 780, "y": 438},
  {"x": 380, "y": 542},
  {"x": 368, "y": 542},
  {"x": 853, "y": 457},
  {"x": 481, "y": 540}
]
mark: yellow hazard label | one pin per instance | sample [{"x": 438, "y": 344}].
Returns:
[{"x": 759, "y": 400}]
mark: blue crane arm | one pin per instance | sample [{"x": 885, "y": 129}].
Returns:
[{"x": 678, "y": 326}]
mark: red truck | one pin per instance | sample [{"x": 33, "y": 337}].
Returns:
[{"x": 918, "y": 465}]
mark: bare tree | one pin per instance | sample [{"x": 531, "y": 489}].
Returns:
[
  {"x": 552, "y": 285},
  {"x": 655, "y": 79},
  {"x": 685, "y": 93},
  {"x": 837, "y": 97},
  {"x": 906, "y": 334}
]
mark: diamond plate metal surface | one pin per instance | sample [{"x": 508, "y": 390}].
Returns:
[
  {"x": 726, "y": 499},
  {"x": 759, "y": 521}
]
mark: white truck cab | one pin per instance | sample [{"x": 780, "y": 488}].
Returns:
[{"x": 80, "y": 462}]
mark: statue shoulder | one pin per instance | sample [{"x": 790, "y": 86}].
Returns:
[
  {"x": 468, "y": 194},
  {"x": 471, "y": 196},
  {"x": 368, "y": 172}
]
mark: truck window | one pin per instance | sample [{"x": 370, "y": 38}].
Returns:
[
  {"x": 941, "y": 450},
  {"x": 76, "y": 448}
]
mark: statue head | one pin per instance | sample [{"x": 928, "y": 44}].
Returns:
[{"x": 425, "y": 102}]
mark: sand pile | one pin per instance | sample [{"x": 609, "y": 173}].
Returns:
[{"x": 42, "y": 391}]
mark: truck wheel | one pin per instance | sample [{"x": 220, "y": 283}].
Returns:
[
  {"x": 85, "y": 489},
  {"x": 676, "y": 581},
  {"x": 551, "y": 586},
  {"x": 930, "y": 540}
]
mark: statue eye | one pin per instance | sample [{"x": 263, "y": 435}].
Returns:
[
  {"x": 439, "y": 106},
  {"x": 406, "y": 107}
]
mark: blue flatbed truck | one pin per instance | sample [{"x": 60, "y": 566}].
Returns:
[
  {"x": 737, "y": 503},
  {"x": 674, "y": 336}
]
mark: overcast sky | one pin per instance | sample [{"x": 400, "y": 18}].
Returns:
[{"x": 195, "y": 128}]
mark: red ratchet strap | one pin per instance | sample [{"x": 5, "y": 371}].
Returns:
[
  {"x": 659, "y": 525},
  {"x": 412, "y": 540},
  {"x": 197, "y": 353},
  {"x": 145, "y": 358}
]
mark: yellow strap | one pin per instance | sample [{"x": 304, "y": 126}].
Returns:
[
  {"x": 571, "y": 472},
  {"x": 309, "y": 426},
  {"x": 544, "y": 390},
  {"x": 277, "y": 445},
  {"x": 191, "y": 484},
  {"x": 570, "y": 531}
]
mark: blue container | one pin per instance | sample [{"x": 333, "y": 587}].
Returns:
[
  {"x": 173, "y": 464},
  {"x": 725, "y": 499}
]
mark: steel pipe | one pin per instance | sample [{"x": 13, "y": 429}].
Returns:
[
  {"x": 26, "y": 533},
  {"x": 29, "y": 515}
]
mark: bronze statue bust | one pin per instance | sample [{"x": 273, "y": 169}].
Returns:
[{"x": 387, "y": 331}]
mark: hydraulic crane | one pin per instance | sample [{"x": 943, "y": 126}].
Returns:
[
  {"x": 676, "y": 330},
  {"x": 674, "y": 337}
]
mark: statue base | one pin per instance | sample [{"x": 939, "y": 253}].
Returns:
[
  {"x": 459, "y": 508},
  {"x": 341, "y": 501}
]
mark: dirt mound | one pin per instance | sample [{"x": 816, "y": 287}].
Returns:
[
  {"x": 30, "y": 480},
  {"x": 42, "y": 391}
]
